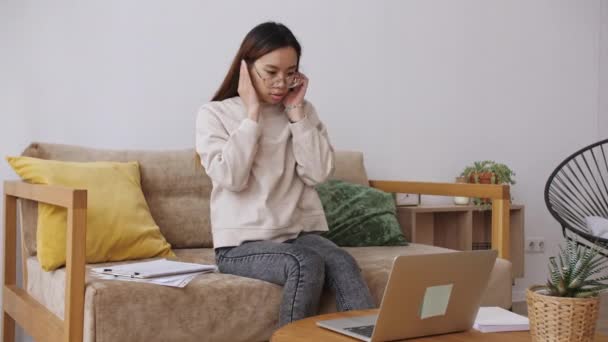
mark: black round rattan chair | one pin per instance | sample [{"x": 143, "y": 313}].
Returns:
[{"x": 578, "y": 188}]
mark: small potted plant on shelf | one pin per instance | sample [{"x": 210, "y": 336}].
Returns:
[
  {"x": 566, "y": 309},
  {"x": 487, "y": 172}
]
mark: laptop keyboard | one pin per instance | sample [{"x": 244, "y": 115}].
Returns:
[{"x": 365, "y": 330}]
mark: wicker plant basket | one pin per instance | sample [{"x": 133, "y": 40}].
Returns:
[{"x": 560, "y": 319}]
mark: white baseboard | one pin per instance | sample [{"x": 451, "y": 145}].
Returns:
[{"x": 519, "y": 296}]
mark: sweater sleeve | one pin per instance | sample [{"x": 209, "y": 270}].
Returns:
[
  {"x": 312, "y": 149},
  {"x": 227, "y": 158}
]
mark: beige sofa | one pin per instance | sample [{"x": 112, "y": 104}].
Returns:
[{"x": 213, "y": 307}]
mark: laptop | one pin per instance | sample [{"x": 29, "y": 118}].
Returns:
[{"x": 425, "y": 295}]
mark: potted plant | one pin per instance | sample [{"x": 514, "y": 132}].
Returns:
[
  {"x": 488, "y": 172},
  {"x": 566, "y": 309}
]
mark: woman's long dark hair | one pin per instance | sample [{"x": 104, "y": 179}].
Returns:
[{"x": 261, "y": 40}]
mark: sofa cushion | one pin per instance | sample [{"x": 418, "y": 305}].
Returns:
[
  {"x": 119, "y": 224},
  {"x": 215, "y": 307},
  {"x": 359, "y": 215},
  {"x": 175, "y": 186},
  {"x": 350, "y": 167}
]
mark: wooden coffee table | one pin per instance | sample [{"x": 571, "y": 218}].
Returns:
[{"x": 307, "y": 330}]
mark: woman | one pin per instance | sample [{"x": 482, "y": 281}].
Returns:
[{"x": 264, "y": 148}]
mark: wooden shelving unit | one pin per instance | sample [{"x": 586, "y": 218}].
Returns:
[{"x": 461, "y": 227}]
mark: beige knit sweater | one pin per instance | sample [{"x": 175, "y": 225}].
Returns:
[{"x": 263, "y": 172}]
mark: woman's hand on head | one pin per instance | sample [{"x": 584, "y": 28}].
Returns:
[
  {"x": 296, "y": 95},
  {"x": 294, "y": 100},
  {"x": 248, "y": 94}
]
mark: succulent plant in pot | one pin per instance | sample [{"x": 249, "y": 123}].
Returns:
[
  {"x": 566, "y": 308},
  {"x": 487, "y": 172}
]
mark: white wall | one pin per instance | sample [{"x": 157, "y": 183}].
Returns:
[
  {"x": 421, "y": 87},
  {"x": 603, "y": 113},
  {"x": 14, "y": 127}
]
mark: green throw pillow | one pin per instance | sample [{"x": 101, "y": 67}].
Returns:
[{"x": 358, "y": 215}]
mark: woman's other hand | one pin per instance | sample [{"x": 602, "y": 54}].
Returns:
[
  {"x": 294, "y": 101},
  {"x": 248, "y": 94}
]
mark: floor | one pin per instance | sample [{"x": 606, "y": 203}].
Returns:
[{"x": 602, "y": 322}]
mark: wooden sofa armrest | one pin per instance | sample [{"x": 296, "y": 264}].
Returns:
[
  {"x": 19, "y": 306},
  {"x": 499, "y": 194}
]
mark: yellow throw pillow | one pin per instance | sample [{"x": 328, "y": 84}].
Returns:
[{"x": 119, "y": 223}]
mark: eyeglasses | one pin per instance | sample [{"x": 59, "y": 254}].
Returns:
[{"x": 292, "y": 81}]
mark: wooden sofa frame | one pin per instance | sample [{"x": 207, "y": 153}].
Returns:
[{"x": 21, "y": 308}]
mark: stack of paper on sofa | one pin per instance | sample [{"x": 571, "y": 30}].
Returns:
[{"x": 161, "y": 272}]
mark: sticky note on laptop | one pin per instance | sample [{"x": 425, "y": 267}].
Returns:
[{"x": 435, "y": 301}]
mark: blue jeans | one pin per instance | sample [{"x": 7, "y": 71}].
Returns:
[{"x": 303, "y": 266}]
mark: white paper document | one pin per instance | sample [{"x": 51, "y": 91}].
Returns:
[
  {"x": 495, "y": 319},
  {"x": 162, "y": 272}
]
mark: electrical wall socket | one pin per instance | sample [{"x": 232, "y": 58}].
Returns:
[
  {"x": 535, "y": 245},
  {"x": 407, "y": 199}
]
